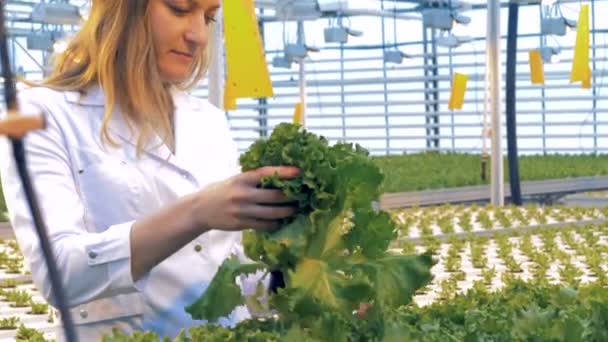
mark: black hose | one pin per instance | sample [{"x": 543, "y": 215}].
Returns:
[
  {"x": 10, "y": 95},
  {"x": 510, "y": 102}
]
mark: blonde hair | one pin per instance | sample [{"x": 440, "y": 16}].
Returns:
[{"x": 114, "y": 49}]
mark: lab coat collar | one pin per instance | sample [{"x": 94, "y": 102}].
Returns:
[
  {"x": 117, "y": 125},
  {"x": 94, "y": 96}
]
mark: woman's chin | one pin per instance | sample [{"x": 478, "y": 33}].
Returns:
[{"x": 174, "y": 76}]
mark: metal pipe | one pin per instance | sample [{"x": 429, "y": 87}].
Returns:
[
  {"x": 235, "y": 117},
  {"x": 395, "y": 68},
  {"x": 475, "y": 149},
  {"x": 384, "y": 75},
  {"x": 302, "y": 74},
  {"x": 595, "y": 88},
  {"x": 417, "y": 91},
  {"x": 407, "y": 126},
  {"x": 216, "y": 67},
  {"x": 353, "y": 13},
  {"x": 464, "y": 136},
  {"x": 493, "y": 46},
  {"x": 342, "y": 90},
  {"x": 405, "y": 103}
]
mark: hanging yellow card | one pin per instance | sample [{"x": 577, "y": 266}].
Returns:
[
  {"x": 537, "y": 72},
  {"x": 459, "y": 86},
  {"x": 297, "y": 114},
  {"x": 580, "y": 63},
  {"x": 247, "y": 71}
]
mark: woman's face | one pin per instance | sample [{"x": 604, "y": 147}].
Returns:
[{"x": 180, "y": 32}]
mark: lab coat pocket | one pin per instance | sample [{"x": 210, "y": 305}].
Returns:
[
  {"x": 111, "y": 187},
  {"x": 111, "y": 308}
]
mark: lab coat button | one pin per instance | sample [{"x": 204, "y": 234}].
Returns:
[
  {"x": 198, "y": 248},
  {"x": 84, "y": 313},
  {"x": 92, "y": 255}
]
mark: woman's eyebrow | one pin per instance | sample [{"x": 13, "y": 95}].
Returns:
[{"x": 199, "y": 3}]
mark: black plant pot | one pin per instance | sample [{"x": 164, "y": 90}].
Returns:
[{"x": 276, "y": 281}]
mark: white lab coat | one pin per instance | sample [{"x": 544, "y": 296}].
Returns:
[{"x": 91, "y": 196}]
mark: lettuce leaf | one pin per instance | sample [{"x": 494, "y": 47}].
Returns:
[{"x": 333, "y": 252}]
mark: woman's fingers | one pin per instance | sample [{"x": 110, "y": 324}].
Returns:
[
  {"x": 254, "y": 177},
  {"x": 261, "y": 225},
  {"x": 268, "y": 196},
  {"x": 267, "y": 212}
]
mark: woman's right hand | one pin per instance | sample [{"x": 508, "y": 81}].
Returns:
[{"x": 237, "y": 203}]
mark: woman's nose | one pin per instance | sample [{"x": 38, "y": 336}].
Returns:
[{"x": 198, "y": 31}]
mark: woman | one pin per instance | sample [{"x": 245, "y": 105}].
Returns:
[{"x": 138, "y": 181}]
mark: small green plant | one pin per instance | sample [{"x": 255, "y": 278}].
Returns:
[
  {"x": 464, "y": 221},
  {"x": 446, "y": 224},
  {"x": 14, "y": 265},
  {"x": 540, "y": 216},
  {"x": 404, "y": 221},
  {"x": 447, "y": 288},
  {"x": 526, "y": 246},
  {"x": 488, "y": 274},
  {"x": 518, "y": 214},
  {"x": 9, "y": 323},
  {"x": 459, "y": 276},
  {"x": 20, "y": 298},
  {"x": 3, "y": 258},
  {"x": 478, "y": 257},
  {"x": 425, "y": 226},
  {"x": 484, "y": 219},
  {"x": 479, "y": 286},
  {"x": 38, "y": 308},
  {"x": 531, "y": 210},
  {"x": 452, "y": 262},
  {"x": 508, "y": 278},
  {"x": 502, "y": 217},
  {"x": 408, "y": 247},
  {"x": 570, "y": 275},
  {"x": 25, "y": 334},
  {"x": 513, "y": 266},
  {"x": 9, "y": 283},
  {"x": 432, "y": 244},
  {"x": 14, "y": 246}
]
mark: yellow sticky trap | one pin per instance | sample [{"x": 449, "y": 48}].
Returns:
[
  {"x": 537, "y": 72},
  {"x": 587, "y": 82},
  {"x": 459, "y": 86},
  {"x": 229, "y": 102},
  {"x": 297, "y": 114},
  {"x": 246, "y": 68},
  {"x": 580, "y": 64}
]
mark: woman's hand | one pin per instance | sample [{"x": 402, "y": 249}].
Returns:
[{"x": 237, "y": 203}]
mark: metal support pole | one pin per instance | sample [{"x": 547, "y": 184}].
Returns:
[
  {"x": 384, "y": 76},
  {"x": 427, "y": 92},
  {"x": 263, "y": 111},
  {"x": 431, "y": 89},
  {"x": 216, "y": 64},
  {"x": 595, "y": 89},
  {"x": 302, "y": 76},
  {"x": 342, "y": 96},
  {"x": 493, "y": 46},
  {"x": 434, "y": 119},
  {"x": 451, "y": 68}
]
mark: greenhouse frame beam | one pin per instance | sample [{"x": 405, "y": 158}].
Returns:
[{"x": 479, "y": 193}]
